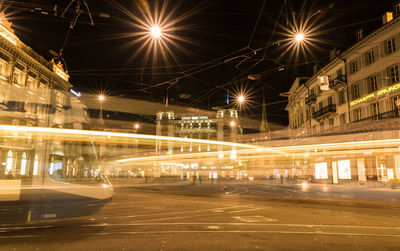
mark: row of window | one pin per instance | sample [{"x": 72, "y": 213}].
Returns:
[
  {"x": 373, "y": 82},
  {"x": 371, "y": 56},
  {"x": 11, "y": 168}
]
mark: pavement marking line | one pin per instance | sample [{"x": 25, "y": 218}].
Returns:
[
  {"x": 182, "y": 212},
  {"x": 240, "y": 224},
  {"x": 232, "y": 194},
  {"x": 211, "y": 232},
  {"x": 255, "y": 232},
  {"x": 201, "y": 215},
  {"x": 254, "y": 218},
  {"x": 318, "y": 232},
  {"x": 245, "y": 210}
]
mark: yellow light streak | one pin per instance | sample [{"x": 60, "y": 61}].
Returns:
[{"x": 120, "y": 135}]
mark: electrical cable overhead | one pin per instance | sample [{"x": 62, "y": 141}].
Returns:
[
  {"x": 255, "y": 26},
  {"x": 78, "y": 12}
]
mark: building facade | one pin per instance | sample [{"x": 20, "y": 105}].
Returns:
[
  {"x": 361, "y": 84},
  {"x": 359, "y": 88},
  {"x": 223, "y": 124},
  {"x": 36, "y": 92}
]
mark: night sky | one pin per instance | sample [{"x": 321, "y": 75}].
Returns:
[{"x": 210, "y": 46}]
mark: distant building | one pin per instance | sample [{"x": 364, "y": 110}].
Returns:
[{"x": 222, "y": 124}]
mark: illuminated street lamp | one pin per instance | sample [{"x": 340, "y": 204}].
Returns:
[
  {"x": 241, "y": 99},
  {"x": 299, "y": 37},
  {"x": 232, "y": 124},
  {"x": 101, "y": 98},
  {"x": 136, "y": 145},
  {"x": 155, "y": 31}
]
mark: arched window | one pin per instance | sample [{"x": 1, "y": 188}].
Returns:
[
  {"x": 23, "y": 164},
  {"x": 10, "y": 161},
  {"x": 69, "y": 163},
  {"x": 51, "y": 169},
  {"x": 36, "y": 165}
]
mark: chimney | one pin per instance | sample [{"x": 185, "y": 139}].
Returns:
[
  {"x": 315, "y": 69},
  {"x": 387, "y": 17},
  {"x": 333, "y": 54},
  {"x": 360, "y": 34}
]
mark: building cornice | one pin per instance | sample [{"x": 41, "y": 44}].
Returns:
[{"x": 23, "y": 56}]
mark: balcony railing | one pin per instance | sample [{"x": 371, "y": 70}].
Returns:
[
  {"x": 339, "y": 80},
  {"x": 311, "y": 99},
  {"x": 385, "y": 115},
  {"x": 326, "y": 110}
]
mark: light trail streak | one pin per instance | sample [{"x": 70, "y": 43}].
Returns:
[{"x": 100, "y": 134}]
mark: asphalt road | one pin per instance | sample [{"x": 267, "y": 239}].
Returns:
[{"x": 224, "y": 217}]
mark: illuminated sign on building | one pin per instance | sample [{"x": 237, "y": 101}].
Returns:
[
  {"x": 389, "y": 89},
  {"x": 378, "y": 93},
  {"x": 78, "y": 94},
  {"x": 363, "y": 99}
]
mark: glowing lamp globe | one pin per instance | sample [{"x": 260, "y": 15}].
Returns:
[
  {"x": 299, "y": 37},
  {"x": 155, "y": 31}
]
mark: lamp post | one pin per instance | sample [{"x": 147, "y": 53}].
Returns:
[
  {"x": 101, "y": 98},
  {"x": 136, "y": 126},
  {"x": 136, "y": 146}
]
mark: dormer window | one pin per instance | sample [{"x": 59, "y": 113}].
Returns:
[{"x": 397, "y": 9}]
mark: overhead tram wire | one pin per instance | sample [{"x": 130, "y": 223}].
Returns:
[
  {"x": 256, "y": 25},
  {"x": 219, "y": 63},
  {"x": 212, "y": 91},
  {"x": 185, "y": 74}
]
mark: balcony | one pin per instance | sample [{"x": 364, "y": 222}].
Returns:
[
  {"x": 311, "y": 99},
  {"x": 324, "y": 111},
  {"x": 338, "y": 81},
  {"x": 381, "y": 116}
]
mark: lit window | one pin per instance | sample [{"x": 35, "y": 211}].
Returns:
[
  {"x": 321, "y": 170},
  {"x": 36, "y": 165},
  {"x": 344, "y": 169},
  {"x": 23, "y": 164},
  {"x": 10, "y": 161}
]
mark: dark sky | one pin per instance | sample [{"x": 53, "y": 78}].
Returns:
[{"x": 211, "y": 46}]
